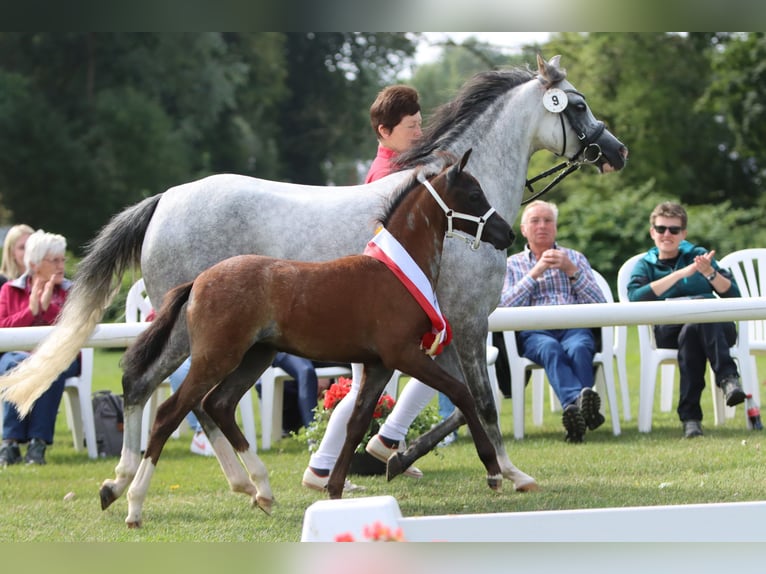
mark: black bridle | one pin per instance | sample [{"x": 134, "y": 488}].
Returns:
[{"x": 589, "y": 152}]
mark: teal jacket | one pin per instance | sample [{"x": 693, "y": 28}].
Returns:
[{"x": 650, "y": 268}]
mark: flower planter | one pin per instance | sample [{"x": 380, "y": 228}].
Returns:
[{"x": 363, "y": 464}]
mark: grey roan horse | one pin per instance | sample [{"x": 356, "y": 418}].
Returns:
[
  {"x": 505, "y": 116},
  {"x": 243, "y": 310}
]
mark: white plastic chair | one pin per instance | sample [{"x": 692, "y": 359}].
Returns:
[
  {"x": 655, "y": 358},
  {"x": 79, "y": 405},
  {"x": 603, "y": 360},
  {"x": 137, "y": 308},
  {"x": 748, "y": 267},
  {"x": 272, "y": 399}
]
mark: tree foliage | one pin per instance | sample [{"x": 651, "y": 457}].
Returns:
[{"x": 92, "y": 122}]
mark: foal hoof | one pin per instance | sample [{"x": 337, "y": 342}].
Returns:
[
  {"x": 495, "y": 482},
  {"x": 264, "y": 504},
  {"x": 107, "y": 497}
]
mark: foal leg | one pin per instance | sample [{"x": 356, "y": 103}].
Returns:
[
  {"x": 373, "y": 382},
  {"x": 169, "y": 415},
  {"x": 221, "y": 404},
  {"x": 434, "y": 376}
]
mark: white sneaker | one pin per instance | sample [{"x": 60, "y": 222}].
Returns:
[
  {"x": 382, "y": 452},
  {"x": 201, "y": 445},
  {"x": 315, "y": 482}
]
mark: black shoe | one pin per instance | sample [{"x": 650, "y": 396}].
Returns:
[
  {"x": 590, "y": 407},
  {"x": 692, "y": 429},
  {"x": 733, "y": 391},
  {"x": 574, "y": 423},
  {"x": 35, "y": 452},
  {"x": 9, "y": 454}
]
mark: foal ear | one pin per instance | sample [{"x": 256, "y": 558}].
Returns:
[{"x": 464, "y": 159}]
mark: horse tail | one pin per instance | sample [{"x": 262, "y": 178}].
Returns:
[
  {"x": 150, "y": 343},
  {"x": 115, "y": 249}
]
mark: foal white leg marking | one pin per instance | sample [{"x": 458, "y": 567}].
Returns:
[
  {"x": 260, "y": 476},
  {"x": 239, "y": 481},
  {"x": 137, "y": 492}
]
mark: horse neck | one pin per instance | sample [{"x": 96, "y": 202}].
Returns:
[
  {"x": 503, "y": 140},
  {"x": 419, "y": 224}
]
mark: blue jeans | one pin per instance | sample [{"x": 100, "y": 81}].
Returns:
[
  {"x": 302, "y": 370},
  {"x": 40, "y": 422},
  {"x": 566, "y": 355},
  {"x": 176, "y": 379}
]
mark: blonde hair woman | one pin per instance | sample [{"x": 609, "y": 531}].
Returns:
[{"x": 13, "y": 265}]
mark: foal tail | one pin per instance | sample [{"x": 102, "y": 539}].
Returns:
[
  {"x": 149, "y": 344},
  {"x": 115, "y": 249}
]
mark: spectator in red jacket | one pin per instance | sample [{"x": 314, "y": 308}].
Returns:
[{"x": 35, "y": 298}]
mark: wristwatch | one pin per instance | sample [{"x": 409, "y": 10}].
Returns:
[
  {"x": 712, "y": 276},
  {"x": 576, "y": 276}
]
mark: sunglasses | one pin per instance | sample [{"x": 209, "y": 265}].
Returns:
[{"x": 674, "y": 229}]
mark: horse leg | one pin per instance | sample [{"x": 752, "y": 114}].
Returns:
[
  {"x": 170, "y": 414},
  {"x": 221, "y": 404},
  {"x": 373, "y": 382},
  {"x": 136, "y": 391},
  {"x": 434, "y": 376},
  {"x": 472, "y": 359}
]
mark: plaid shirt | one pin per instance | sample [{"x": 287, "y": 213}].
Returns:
[{"x": 553, "y": 287}]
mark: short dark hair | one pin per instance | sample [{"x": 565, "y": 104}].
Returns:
[{"x": 391, "y": 105}]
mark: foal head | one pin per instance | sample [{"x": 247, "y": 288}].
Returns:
[{"x": 461, "y": 198}]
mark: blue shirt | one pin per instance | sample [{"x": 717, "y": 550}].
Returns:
[{"x": 553, "y": 287}]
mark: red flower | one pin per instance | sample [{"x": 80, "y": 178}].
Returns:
[{"x": 340, "y": 389}]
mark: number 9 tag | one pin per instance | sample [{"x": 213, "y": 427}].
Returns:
[{"x": 555, "y": 100}]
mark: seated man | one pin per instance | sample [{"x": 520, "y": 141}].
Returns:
[
  {"x": 547, "y": 274},
  {"x": 676, "y": 268}
]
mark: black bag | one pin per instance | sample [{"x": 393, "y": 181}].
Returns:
[{"x": 109, "y": 423}]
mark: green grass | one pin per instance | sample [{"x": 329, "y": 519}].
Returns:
[{"x": 189, "y": 499}]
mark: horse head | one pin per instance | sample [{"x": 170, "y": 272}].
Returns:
[
  {"x": 585, "y": 139},
  {"x": 467, "y": 208}
]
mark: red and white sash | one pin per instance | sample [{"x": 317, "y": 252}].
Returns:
[{"x": 385, "y": 248}]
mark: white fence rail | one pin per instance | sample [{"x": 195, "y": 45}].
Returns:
[{"x": 501, "y": 319}]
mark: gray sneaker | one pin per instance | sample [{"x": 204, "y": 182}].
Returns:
[
  {"x": 35, "y": 452},
  {"x": 9, "y": 454}
]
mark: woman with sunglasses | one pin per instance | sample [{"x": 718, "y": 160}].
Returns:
[{"x": 675, "y": 268}]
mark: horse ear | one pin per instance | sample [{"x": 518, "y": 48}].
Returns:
[
  {"x": 550, "y": 71},
  {"x": 464, "y": 159}
]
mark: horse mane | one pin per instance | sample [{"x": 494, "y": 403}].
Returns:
[
  {"x": 393, "y": 201},
  {"x": 449, "y": 119}
]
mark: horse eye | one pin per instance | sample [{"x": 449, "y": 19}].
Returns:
[{"x": 581, "y": 107}]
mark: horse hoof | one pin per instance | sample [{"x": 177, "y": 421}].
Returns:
[
  {"x": 394, "y": 467},
  {"x": 264, "y": 504},
  {"x": 133, "y": 524},
  {"x": 107, "y": 497},
  {"x": 530, "y": 486},
  {"x": 495, "y": 482}
]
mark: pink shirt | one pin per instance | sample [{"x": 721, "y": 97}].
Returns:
[{"x": 381, "y": 165}]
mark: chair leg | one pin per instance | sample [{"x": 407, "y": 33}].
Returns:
[
  {"x": 622, "y": 374},
  {"x": 605, "y": 377},
  {"x": 646, "y": 395},
  {"x": 517, "y": 398},
  {"x": 248, "y": 419},
  {"x": 272, "y": 400},
  {"x": 666, "y": 390},
  {"x": 538, "y": 396}
]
